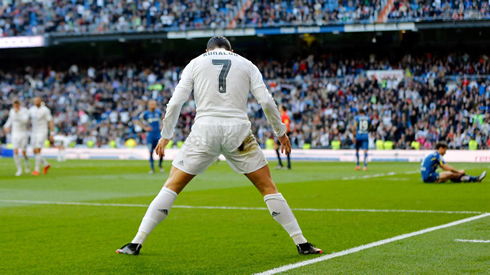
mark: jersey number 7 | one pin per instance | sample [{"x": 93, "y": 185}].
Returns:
[{"x": 225, "y": 69}]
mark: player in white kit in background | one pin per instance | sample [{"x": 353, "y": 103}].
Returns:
[
  {"x": 62, "y": 141},
  {"x": 17, "y": 125},
  {"x": 221, "y": 81},
  {"x": 40, "y": 119}
]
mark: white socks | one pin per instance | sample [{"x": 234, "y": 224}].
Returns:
[
  {"x": 157, "y": 212},
  {"x": 27, "y": 165},
  {"x": 45, "y": 162},
  {"x": 281, "y": 212},
  {"x": 61, "y": 155},
  {"x": 18, "y": 164},
  {"x": 38, "y": 162}
]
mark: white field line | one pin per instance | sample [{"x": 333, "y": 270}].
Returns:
[
  {"x": 379, "y": 175},
  {"x": 242, "y": 208},
  {"x": 367, "y": 246},
  {"x": 473, "y": 241}
]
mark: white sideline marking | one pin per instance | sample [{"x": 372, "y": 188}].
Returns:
[
  {"x": 367, "y": 246},
  {"x": 473, "y": 241},
  {"x": 379, "y": 175},
  {"x": 244, "y": 208}
]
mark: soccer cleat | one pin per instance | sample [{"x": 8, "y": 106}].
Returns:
[
  {"x": 365, "y": 168},
  {"x": 358, "y": 168},
  {"x": 46, "y": 168},
  {"x": 482, "y": 176},
  {"x": 279, "y": 167},
  {"x": 286, "y": 168},
  {"x": 19, "y": 172},
  {"x": 130, "y": 249},
  {"x": 307, "y": 249},
  {"x": 162, "y": 170},
  {"x": 151, "y": 172},
  {"x": 27, "y": 169},
  {"x": 35, "y": 173}
]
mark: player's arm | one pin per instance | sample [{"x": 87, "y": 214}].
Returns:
[
  {"x": 181, "y": 95},
  {"x": 143, "y": 126},
  {"x": 8, "y": 124},
  {"x": 447, "y": 167},
  {"x": 51, "y": 125},
  {"x": 271, "y": 111}
]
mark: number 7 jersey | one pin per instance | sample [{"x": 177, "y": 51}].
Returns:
[{"x": 221, "y": 81}]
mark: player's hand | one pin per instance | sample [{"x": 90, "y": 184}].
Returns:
[
  {"x": 6, "y": 129},
  {"x": 285, "y": 144},
  {"x": 148, "y": 129},
  {"x": 160, "y": 149}
]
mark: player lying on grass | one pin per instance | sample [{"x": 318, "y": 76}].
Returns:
[
  {"x": 222, "y": 81},
  {"x": 435, "y": 160}
]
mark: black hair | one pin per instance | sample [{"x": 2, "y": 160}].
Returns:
[
  {"x": 361, "y": 111},
  {"x": 441, "y": 144},
  {"x": 219, "y": 42}
]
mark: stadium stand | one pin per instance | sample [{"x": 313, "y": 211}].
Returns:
[
  {"x": 87, "y": 16},
  {"x": 439, "y": 10},
  {"x": 98, "y": 17},
  {"x": 439, "y": 98}
]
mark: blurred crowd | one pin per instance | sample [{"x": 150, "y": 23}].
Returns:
[
  {"x": 320, "y": 12},
  {"x": 437, "y": 98},
  {"x": 415, "y": 10},
  {"x": 102, "y": 16}
]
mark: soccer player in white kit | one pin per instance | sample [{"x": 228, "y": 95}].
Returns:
[
  {"x": 222, "y": 81},
  {"x": 40, "y": 119},
  {"x": 17, "y": 124}
]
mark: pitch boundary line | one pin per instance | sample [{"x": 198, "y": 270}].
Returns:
[
  {"x": 473, "y": 241},
  {"x": 243, "y": 208},
  {"x": 367, "y": 246}
]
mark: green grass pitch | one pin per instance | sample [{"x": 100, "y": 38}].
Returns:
[{"x": 82, "y": 239}]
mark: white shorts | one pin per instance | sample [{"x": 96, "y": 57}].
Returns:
[
  {"x": 38, "y": 140},
  {"x": 60, "y": 141},
  {"x": 208, "y": 140},
  {"x": 19, "y": 142}
]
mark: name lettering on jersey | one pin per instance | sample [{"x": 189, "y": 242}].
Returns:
[{"x": 214, "y": 53}]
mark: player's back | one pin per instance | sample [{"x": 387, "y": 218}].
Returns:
[
  {"x": 431, "y": 162},
  {"x": 362, "y": 126},
  {"x": 222, "y": 81}
]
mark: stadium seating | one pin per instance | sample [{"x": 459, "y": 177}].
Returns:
[
  {"x": 99, "y": 103},
  {"x": 439, "y": 10},
  {"x": 96, "y": 17}
]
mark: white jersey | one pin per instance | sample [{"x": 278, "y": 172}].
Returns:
[
  {"x": 40, "y": 116},
  {"x": 222, "y": 81},
  {"x": 17, "y": 121}
]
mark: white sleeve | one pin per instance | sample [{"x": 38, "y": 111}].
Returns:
[
  {"x": 270, "y": 109},
  {"x": 49, "y": 117},
  {"x": 8, "y": 124},
  {"x": 265, "y": 99},
  {"x": 174, "y": 105}
]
